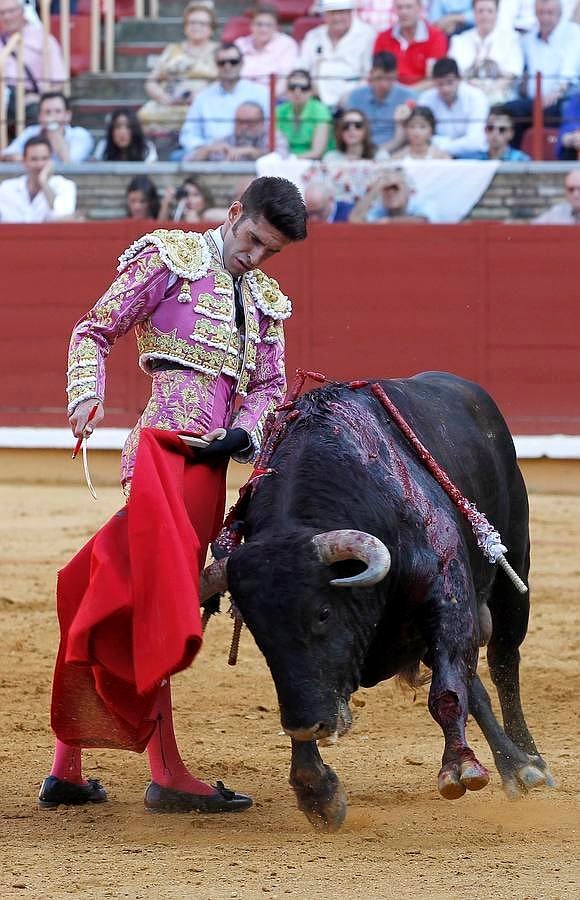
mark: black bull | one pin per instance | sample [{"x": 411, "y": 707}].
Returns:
[{"x": 343, "y": 464}]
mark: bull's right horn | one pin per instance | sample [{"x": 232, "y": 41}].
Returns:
[
  {"x": 346, "y": 543},
  {"x": 213, "y": 580}
]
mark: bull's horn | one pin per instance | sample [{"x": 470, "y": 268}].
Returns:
[
  {"x": 346, "y": 543},
  {"x": 213, "y": 580}
]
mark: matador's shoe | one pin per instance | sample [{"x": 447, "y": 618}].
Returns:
[
  {"x": 56, "y": 792},
  {"x": 162, "y": 799}
]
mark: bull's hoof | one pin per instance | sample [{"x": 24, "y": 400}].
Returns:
[
  {"x": 455, "y": 779},
  {"x": 323, "y": 805},
  {"x": 524, "y": 779}
]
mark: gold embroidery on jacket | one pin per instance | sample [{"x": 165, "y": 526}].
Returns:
[
  {"x": 213, "y": 335},
  {"x": 221, "y": 307},
  {"x": 185, "y": 253},
  {"x": 152, "y": 343}
]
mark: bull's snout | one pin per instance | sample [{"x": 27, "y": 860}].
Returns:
[{"x": 314, "y": 733}]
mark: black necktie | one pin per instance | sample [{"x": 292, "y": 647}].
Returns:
[{"x": 239, "y": 303}]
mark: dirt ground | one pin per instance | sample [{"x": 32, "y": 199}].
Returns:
[{"x": 400, "y": 839}]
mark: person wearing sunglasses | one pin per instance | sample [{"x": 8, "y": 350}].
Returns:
[
  {"x": 303, "y": 120},
  {"x": 567, "y": 213},
  {"x": 499, "y": 131},
  {"x": 352, "y": 138},
  {"x": 210, "y": 118}
]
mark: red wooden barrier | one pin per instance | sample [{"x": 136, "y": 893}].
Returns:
[{"x": 495, "y": 303}]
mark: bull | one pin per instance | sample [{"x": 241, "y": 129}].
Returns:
[{"x": 357, "y": 567}]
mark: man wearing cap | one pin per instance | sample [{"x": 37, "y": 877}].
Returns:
[
  {"x": 337, "y": 54},
  {"x": 390, "y": 199}
]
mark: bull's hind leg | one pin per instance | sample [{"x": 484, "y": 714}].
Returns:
[
  {"x": 510, "y": 610},
  {"x": 452, "y": 656}
]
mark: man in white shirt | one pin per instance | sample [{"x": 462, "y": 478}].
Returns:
[
  {"x": 69, "y": 144},
  {"x": 338, "y": 54},
  {"x": 37, "y": 196},
  {"x": 460, "y": 110},
  {"x": 554, "y": 50}
]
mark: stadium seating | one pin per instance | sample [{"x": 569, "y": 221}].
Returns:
[
  {"x": 303, "y": 25},
  {"x": 289, "y": 10},
  {"x": 235, "y": 27},
  {"x": 549, "y": 143}
]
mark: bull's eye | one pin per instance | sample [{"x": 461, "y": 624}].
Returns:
[{"x": 324, "y": 614}]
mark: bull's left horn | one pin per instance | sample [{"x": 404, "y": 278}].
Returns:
[
  {"x": 213, "y": 580},
  {"x": 346, "y": 543}
]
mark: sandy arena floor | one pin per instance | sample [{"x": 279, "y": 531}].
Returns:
[{"x": 400, "y": 840}]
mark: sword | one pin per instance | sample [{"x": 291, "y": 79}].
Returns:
[{"x": 82, "y": 442}]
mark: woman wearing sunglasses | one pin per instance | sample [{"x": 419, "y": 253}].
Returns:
[
  {"x": 353, "y": 138},
  {"x": 304, "y": 120}
]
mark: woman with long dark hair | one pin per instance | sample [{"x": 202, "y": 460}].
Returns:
[
  {"x": 142, "y": 198},
  {"x": 352, "y": 136},
  {"x": 124, "y": 140}
]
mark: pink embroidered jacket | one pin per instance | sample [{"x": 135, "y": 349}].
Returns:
[{"x": 174, "y": 291}]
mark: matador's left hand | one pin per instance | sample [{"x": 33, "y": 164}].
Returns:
[{"x": 234, "y": 441}]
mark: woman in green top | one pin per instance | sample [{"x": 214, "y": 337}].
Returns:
[{"x": 304, "y": 120}]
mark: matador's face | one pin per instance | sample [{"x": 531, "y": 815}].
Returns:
[{"x": 247, "y": 242}]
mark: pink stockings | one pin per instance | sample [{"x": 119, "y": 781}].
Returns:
[{"x": 167, "y": 767}]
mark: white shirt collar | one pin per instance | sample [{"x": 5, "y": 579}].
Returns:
[{"x": 217, "y": 237}]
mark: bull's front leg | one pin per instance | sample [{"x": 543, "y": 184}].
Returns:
[
  {"x": 452, "y": 638},
  {"x": 320, "y": 794}
]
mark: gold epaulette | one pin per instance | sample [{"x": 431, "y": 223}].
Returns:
[
  {"x": 267, "y": 295},
  {"x": 183, "y": 252}
]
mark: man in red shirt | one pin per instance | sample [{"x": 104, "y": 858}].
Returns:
[{"x": 414, "y": 42}]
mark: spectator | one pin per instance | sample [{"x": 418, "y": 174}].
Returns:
[
  {"x": 124, "y": 140},
  {"x": 38, "y": 195},
  {"x": 322, "y": 205},
  {"x": 142, "y": 198},
  {"x": 69, "y": 144},
  {"x": 267, "y": 50},
  {"x": 499, "y": 131},
  {"x": 390, "y": 199},
  {"x": 554, "y": 50},
  {"x": 248, "y": 141},
  {"x": 13, "y": 19},
  {"x": 451, "y": 16},
  {"x": 567, "y": 213},
  {"x": 415, "y": 44},
  {"x": 569, "y": 138},
  {"x": 352, "y": 137},
  {"x": 460, "y": 110},
  {"x": 380, "y": 98},
  {"x": 379, "y": 14},
  {"x": 338, "y": 52},
  {"x": 303, "y": 120},
  {"x": 194, "y": 204},
  {"x": 419, "y": 127},
  {"x": 488, "y": 54},
  {"x": 211, "y": 115},
  {"x": 181, "y": 72}
]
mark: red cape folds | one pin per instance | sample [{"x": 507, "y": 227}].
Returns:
[{"x": 128, "y": 603}]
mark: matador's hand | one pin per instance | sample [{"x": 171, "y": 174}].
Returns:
[
  {"x": 78, "y": 420},
  {"x": 234, "y": 440}
]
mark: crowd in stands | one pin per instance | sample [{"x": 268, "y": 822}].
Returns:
[{"x": 372, "y": 80}]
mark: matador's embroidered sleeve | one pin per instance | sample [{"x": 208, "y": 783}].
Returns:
[
  {"x": 131, "y": 298},
  {"x": 266, "y": 388}
]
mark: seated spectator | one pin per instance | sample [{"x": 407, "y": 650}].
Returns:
[
  {"x": 211, "y": 115},
  {"x": 12, "y": 20},
  {"x": 553, "y": 49},
  {"x": 380, "y": 98},
  {"x": 267, "y": 50},
  {"x": 415, "y": 44},
  {"x": 569, "y": 138},
  {"x": 142, "y": 198},
  {"x": 567, "y": 213},
  {"x": 450, "y": 16},
  {"x": 337, "y": 53},
  {"x": 124, "y": 140},
  {"x": 69, "y": 144},
  {"x": 499, "y": 131},
  {"x": 38, "y": 195},
  {"x": 303, "y": 120},
  {"x": 488, "y": 56},
  {"x": 322, "y": 205},
  {"x": 419, "y": 126},
  {"x": 352, "y": 138},
  {"x": 460, "y": 110},
  {"x": 181, "y": 72},
  {"x": 390, "y": 199},
  {"x": 248, "y": 141},
  {"x": 193, "y": 203}
]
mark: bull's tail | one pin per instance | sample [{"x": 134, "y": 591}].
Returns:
[{"x": 414, "y": 675}]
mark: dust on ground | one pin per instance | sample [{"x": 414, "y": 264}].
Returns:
[{"x": 400, "y": 840}]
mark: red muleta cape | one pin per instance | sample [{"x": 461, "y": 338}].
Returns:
[{"x": 128, "y": 602}]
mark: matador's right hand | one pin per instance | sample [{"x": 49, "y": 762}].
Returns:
[{"x": 78, "y": 419}]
